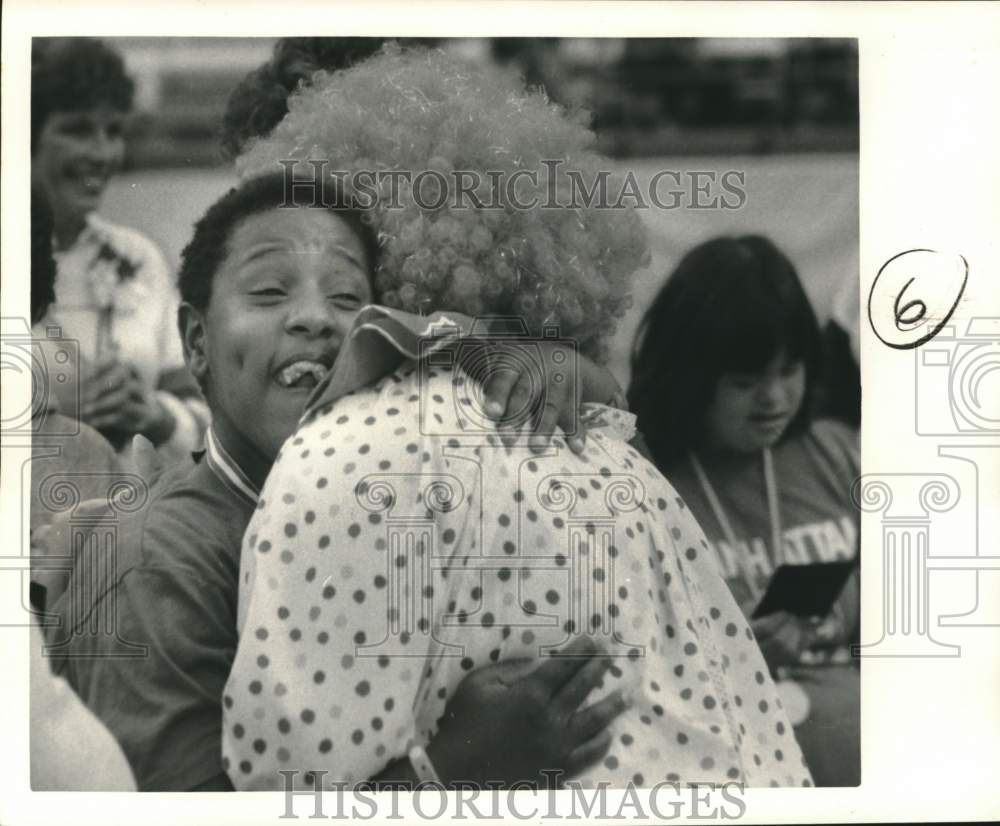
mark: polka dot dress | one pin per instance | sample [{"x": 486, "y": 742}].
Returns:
[{"x": 395, "y": 551}]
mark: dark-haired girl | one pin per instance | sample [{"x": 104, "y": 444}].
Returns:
[{"x": 723, "y": 376}]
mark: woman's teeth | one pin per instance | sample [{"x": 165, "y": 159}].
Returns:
[{"x": 302, "y": 374}]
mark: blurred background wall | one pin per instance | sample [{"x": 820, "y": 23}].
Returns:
[{"x": 784, "y": 112}]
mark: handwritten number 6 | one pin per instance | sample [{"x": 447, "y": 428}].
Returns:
[
  {"x": 917, "y": 317},
  {"x": 942, "y": 279}
]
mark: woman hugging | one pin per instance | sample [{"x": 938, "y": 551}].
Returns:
[{"x": 397, "y": 546}]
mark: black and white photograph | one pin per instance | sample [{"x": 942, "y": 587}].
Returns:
[{"x": 453, "y": 418}]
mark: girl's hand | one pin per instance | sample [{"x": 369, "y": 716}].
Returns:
[
  {"x": 783, "y": 637},
  {"x": 51, "y": 556},
  {"x": 512, "y": 721}
]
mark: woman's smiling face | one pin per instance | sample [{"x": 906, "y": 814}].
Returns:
[
  {"x": 282, "y": 302},
  {"x": 75, "y": 157}
]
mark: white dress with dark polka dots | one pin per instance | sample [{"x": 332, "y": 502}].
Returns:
[{"x": 390, "y": 556}]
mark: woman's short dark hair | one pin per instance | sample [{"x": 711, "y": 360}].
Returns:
[
  {"x": 74, "y": 74},
  {"x": 730, "y": 306},
  {"x": 43, "y": 265},
  {"x": 209, "y": 245}
]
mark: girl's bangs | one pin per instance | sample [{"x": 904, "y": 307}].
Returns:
[{"x": 755, "y": 333}]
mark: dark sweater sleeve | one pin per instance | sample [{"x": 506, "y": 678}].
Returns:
[{"x": 174, "y": 615}]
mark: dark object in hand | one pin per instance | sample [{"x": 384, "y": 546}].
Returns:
[{"x": 805, "y": 590}]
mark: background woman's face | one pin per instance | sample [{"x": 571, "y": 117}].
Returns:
[
  {"x": 751, "y": 411},
  {"x": 75, "y": 157},
  {"x": 282, "y": 302}
]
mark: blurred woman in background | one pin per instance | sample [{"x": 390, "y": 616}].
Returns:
[
  {"x": 87, "y": 455},
  {"x": 115, "y": 294},
  {"x": 723, "y": 375}
]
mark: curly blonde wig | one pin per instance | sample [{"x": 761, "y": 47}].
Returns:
[{"x": 559, "y": 263}]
